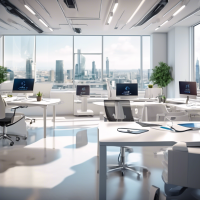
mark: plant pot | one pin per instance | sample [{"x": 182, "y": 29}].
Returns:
[
  {"x": 159, "y": 99},
  {"x": 39, "y": 98},
  {"x": 164, "y": 100}
]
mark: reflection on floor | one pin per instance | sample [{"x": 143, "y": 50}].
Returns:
[{"x": 63, "y": 166}]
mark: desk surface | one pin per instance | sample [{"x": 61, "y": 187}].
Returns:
[
  {"x": 31, "y": 101},
  {"x": 109, "y": 136}
]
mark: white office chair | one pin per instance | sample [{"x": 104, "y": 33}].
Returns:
[
  {"x": 9, "y": 119},
  {"x": 152, "y": 92},
  {"x": 44, "y": 88},
  {"x": 159, "y": 112},
  {"x": 6, "y": 86},
  {"x": 181, "y": 172}
]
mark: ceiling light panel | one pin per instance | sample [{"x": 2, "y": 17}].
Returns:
[
  {"x": 140, "y": 5},
  {"x": 29, "y": 9},
  {"x": 112, "y": 10},
  {"x": 115, "y": 6},
  {"x": 43, "y": 22},
  {"x": 179, "y": 10},
  {"x": 110, "y": 18},
  {"x": 164, "y": 23}
]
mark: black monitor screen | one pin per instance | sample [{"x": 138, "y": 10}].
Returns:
[
  {"x": 188, "y": 88},
  {"x": 126, "y": 89},
  {"x": 23, "y": 85},
  {"x": 82, "y": 90}
]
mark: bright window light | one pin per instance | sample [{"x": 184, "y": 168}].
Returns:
[
  {"x": 164, "y": 23},
  {"x": 29, "y": 9},
  {"x": 50, "y": 29},
  {"x": 115, "y": 7},
  {"x": 135, "y": 11},
  {"x": 179, "y": 10},
  {"x": 43, "y": 22}
]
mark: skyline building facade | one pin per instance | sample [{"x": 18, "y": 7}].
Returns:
[
  {"x": 10, "y": 74},
  {"x": 59, "y": 71},
  {"x": 93, "y": 70},
  {"x": 80, "y": 65},
  {"x": 29, "y": 68},
  {"x": 107, "y": 66},
  {"x": 52, "y": 75}
]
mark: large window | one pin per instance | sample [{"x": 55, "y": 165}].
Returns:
[
  {"x": 54, "y": 60},
  {"x": 19, "y": 56},
  {"x": 197, "y": 54},
  {"x": 70, "y": 60},
  {"x": 122, "y": 59}
]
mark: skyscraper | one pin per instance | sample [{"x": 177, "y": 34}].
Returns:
[
  {"x": 80, "y": 66},
  {"x": 93, "y": 70},
  {"x": 29, "y": 67},
  {"x": 59, "y": 71},
  {"x": 69, "y": 74},
  {"x": 10, "y": 74},
  {"x": 107, "y": 66},
  {"x": 197, "y": 71},
  {"x": 52, "y": 75}
]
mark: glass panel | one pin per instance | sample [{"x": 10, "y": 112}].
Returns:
[
  {"x": 1, "y": 61},
  {"x": 19, "y": 56},
  {"x": 122, "y": 59},
  {"x": 88, "y": 44},
  {"x": 54, "y": 60},
  {"x": 197, "y": 53},
  {"x": 146, "y": 60}
]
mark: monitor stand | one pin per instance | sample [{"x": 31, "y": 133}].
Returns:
[
  {"x": 84, "y": 110},
  {"x": 187, "y": 99}
]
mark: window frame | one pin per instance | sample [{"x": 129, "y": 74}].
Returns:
[{"x": 73, "y": 54}]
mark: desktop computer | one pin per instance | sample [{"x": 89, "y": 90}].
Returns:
[
  {"x": 24, "y": 86},
  {"x": 84, "y": 92},
  {"x": 126, "y": 90},
  {"x": 188, "y": 89}
]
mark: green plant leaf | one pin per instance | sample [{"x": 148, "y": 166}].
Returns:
[
  {"x": 161, "y": 75},
  {"x": 3, "y": 74}
]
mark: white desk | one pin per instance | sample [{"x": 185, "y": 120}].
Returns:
[
  {"x": 33, "y": 102},
  {"x": 109, "y": 136}
]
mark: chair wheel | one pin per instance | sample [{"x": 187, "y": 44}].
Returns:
[
  {"x": 122, "y": 173},
  {"x": 31, "y": 122},
  {"x": 17, "y": 138},
  {"x": 24, "y": 138},
  {"x": 12, "y": 143}
]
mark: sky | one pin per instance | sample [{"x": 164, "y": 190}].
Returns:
[{"x": 123, "y": 52}]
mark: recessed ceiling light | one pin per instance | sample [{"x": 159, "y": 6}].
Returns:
[
  {"x": 156, "y": 29},
  {"x": 164, "y": 23},
  {"x": 135, "y": 11},
  {"x": 50, "y": 29},
  {"x": 43, "y": 22},
  {"x": 29, "y": 9},
  {"x": 115, "y": 6},
  {"x": 110, "y": 18},
  {"x": 179, "y": 10}
]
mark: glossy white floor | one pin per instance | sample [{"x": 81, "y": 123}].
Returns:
[{"x": 64, "y": 165}]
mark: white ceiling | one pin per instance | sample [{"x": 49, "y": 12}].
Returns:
[{"x": 92, "y": 14}]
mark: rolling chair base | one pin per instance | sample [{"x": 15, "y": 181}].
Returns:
[
  {"x": 123, "y": 166},
  {"x": 8, "y": 137}
]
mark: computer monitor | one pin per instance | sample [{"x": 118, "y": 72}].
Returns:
[
  {"x": 83, "y": 90},
  {"x": 188, "y": 88},
  {"x": 25, "y": 85},
  {"x": 126, "y": 89}
]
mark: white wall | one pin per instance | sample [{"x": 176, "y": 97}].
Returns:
[
  {"x": 178, "y": 58},
  {"x": 158, "y": 48}
]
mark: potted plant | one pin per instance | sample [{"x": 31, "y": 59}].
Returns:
[
  {"x": 3, "y": 74},
  {"x": 150, "y": 86},
  {"x": 164, "y": 98},
  {"x": 39, "y": 96},
  {"x": 161, "y": 75}
]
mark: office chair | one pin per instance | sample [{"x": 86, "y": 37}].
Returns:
[
  {"x": 181, "y": 172},
  {"x": 110, "y": 111},
  {"x": 9, "y": 119}
]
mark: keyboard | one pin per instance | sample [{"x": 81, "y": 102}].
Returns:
[{"x": 147, "y": 124}]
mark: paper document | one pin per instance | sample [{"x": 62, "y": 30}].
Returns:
[{"x": 179, "y": 128}]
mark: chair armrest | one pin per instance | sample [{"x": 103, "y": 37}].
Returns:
[
  {"x": 15, "y": 108},
  {"x": 159, "y": 115}
]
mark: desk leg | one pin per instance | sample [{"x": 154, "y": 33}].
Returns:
[
  {"x": 102, "y": 172},
  {"x": 45, "y": 121},
  {"x": 54, "y": 115}
]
